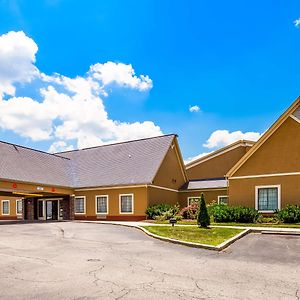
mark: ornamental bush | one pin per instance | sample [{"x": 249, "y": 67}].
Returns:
[
  {"x": 190, "y": 212},
  {"x": 290, "y": 214},
  {"x": 162, "y": 211},
  {"x": 203, "y": 218}
]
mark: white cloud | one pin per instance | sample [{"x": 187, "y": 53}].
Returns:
[
  {"x": 297, "y": 22},
  {"x": 68, "y": 110},
  {"x": 121, "y": 74},
  {"x": 194, "y": 108},
  {"x": 60, "y": 146},
  {"x": 190, "y": 159},
  {"x": 17, "y": 58},
  {"x": 221, "y": 138}
]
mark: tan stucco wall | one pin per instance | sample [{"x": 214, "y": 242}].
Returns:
[
  {"x": 170, "y": 174},
  {"x": 279, "y": 154},
  {"x": 242, "y": 191},
  {"x": 210, "y": 196},
  {"x": 157, "y": 196},
  {"x": 218, "y": 166},
  {"x": 140, "y": 202},
  {"x": 12, "y": 206}
]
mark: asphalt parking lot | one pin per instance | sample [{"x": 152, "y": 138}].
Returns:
[{"x": 69, "y": 260}]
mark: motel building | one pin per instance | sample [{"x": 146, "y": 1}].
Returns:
[{"x": 119, "y": 181}]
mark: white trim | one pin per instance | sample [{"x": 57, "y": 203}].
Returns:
[
  {"x": 265, "y": 175},
  {"x": 84, "y": 205},
  {"x": 223, "y": 197},
  {"x": 294, "y": 118},
  {"x": 213, "y": 154},
  {"x": 18, "y": 200},
  {"x": 3, "y": 214},
  {"x": 162, "y": 188},
  {"x": 257, "y": 187},
  {"x": 188, "y": 198},
  {"x": 111, "y": 187},
  {"x": 96, "y": 205},
  {"x": 132, "y": 200}
]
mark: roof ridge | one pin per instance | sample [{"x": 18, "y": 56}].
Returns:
[
  {"x": 32, "y": 149},
  {"x": 117, "y": 143}
]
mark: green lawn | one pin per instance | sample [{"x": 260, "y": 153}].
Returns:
[
  {"x": 211, "y": 236},
  {"x": 194, "y": 222}
]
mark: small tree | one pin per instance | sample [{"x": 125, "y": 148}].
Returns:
[{"x": 203, "y": 219}]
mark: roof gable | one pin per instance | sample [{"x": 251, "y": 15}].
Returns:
[
  {"x": 292, "y": 111},
  {"x": 240, "y": 143}
]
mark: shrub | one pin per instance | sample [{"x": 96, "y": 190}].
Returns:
[
  {"x": 203, "y": 219},
  {"x": 163, "y": 211},
  {"x": 290, "y": 214},
  {"x": 225, "y": 213},
  {"x": 190, "y": 212}
]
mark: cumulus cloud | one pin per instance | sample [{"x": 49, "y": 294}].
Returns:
[
  {"x": 194, "y": 108},
  {"x": 221, "y": 138},
  {"x": 66, "y": 110},
  {"x": 17, "y": 58},
  {"x": 190, "y": 159},
  {"x": 297, "y": 22}
]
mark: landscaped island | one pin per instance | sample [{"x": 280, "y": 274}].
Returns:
[{"x": 213, "y": 236}]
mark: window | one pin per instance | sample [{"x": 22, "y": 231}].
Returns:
[
  {"x": 102, "y": 204},
  {"x": 5, "y": 207},
  {"x": 192, "y": 200},
  {"x": 79, "y": 206},
  {"x": 222, "y": 199},
  {"x": 126, "y": 204},
  {"x": 19, "y": 207},
  {"x": 267, "y": 198}
]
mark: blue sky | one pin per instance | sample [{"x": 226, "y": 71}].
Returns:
[{"x": 238, "y": 61}]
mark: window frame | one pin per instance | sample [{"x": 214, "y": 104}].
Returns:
[
  {"x": 17, "y": 213},
  {"x": 84, "y": 205},
  {"x": 222, "y": 196},
  {"x": 278, "y": 186},
  {"x": 2, "y": 213},
  {"x": 96, "y": 205},
  {"x": 120, "y": 204},
  {"x": 188, "y": 200}
]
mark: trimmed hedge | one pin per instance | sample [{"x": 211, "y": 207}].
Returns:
[
  {"x": 290, "y": 214},
  {"x": 224, "y": 213},
  {"x": 164, "y": 211}
]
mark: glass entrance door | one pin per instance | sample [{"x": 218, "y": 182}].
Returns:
[{"x": 49, "y": 210}]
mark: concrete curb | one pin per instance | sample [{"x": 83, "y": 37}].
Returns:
[{"x": 219, "y": 247}]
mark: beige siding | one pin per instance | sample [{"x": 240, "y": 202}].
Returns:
[
  {"x": 140, "y": 202},
  {"x": 278, "y": 154},
  {"x": 218, "y": 166},
  {"x": 242, "y": 191}
]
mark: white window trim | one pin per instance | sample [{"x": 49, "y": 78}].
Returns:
[
  {"x": 188, "y": 199},
  {"x": 3, "y": 214},
  {"x": 19, "y": 214},
  {"x": 278, "y": 186},
  {"x": 84, "y": 205},
  {"x": 126, "y": 213},
  {"x": 220, "y": 196},
  {"x": 96, "y": 203}
]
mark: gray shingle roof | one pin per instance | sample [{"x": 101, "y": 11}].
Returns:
[
  {"x": 205, "y": 184},
  {"x": 19, "y": 163},
  {"x": 128, "y": 163}
]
